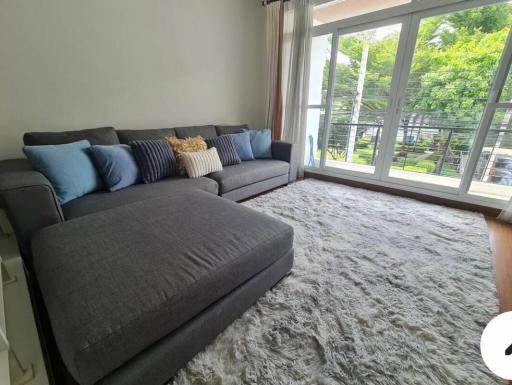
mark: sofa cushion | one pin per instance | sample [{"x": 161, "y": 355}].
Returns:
[
  {"x": 155, "y": 159},
  {"x": 67, "y": 166},
  {"x": 225, "y": 148},
  {"x": 261, "y": 143},
  {"x": 116, "y": 282},
  {"x": 116, "y": 166},
  {"x": 102, "y": 135},
  {"x": 189, "y": 132},
  {"x": 246, "y": 173},
  {"x": 127, "y": 136},
  {"x": 103, "y": 200},
  {"x": 224, "y": 130},
  {"x": 201, "y": 163},
  {"x": 242, "y": 142}
]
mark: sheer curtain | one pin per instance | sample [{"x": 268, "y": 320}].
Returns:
[
  {"x": 289, "y": 27},
  {"x": 296, "y": 58}
]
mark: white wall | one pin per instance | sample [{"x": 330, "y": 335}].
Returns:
[{"x": 72, "y": 64}]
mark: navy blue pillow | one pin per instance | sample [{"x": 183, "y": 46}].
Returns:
[
  {"x": 225, "y": 148},
  {"x": 116, "y": 166},
  {"x": 155, "y": 158}
]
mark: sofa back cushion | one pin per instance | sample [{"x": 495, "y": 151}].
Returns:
[
  {"x": 116, "y": 166},
  {"x": 189, "y": 132},
  {"x": 68, "y": 167},
  {"x": 155, "y": 159},
  {"x": 127, "y": 136},
  {"x": 224, "y": 130},
  {"x": 225, "y": 148},
  {"x": 95, "y": 136}
]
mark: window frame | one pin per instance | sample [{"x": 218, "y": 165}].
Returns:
[{"x": 410, "y": 16}]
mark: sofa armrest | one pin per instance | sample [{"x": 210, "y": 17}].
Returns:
[
  {"x": 30, "y": 202},
  {"x": 286, "y": 151}
]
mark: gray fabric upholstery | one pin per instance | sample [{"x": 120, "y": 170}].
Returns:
[
  {"x": 246, "y": 173},
  {"x": 256, "y": 188},
  {"x": 104, "y": 200},
  {"x": 10, "y": 165},
  {"x": 162, "y": 360},
  {"x": 127, "y": 136},
  {"x": 117, "y": 281},
  {"x": 30, "y": 202},
  {"x": 286, "y": 152},
  {"x": 100, "y": 136},
  {"x": 223, "y": 130},
  {"x": 204, "y": 131}
]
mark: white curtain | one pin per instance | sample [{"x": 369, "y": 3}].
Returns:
[
  {"x": 297, "y": 28},
  {"x": 506, "y": 214},
  {"x": 272, "y": 33}
]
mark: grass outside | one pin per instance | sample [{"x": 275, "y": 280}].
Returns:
[{"x": 415, "y": 162}]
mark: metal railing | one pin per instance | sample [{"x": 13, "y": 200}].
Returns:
[{"x": 431, "y": 149}]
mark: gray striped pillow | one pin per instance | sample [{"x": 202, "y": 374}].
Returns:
[
  {"x": 155, "y": 158},
  {"x": 225, "y": 148},
  {"x": 200, "y": 163}
]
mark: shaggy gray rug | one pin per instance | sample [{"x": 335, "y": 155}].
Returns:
[{"x": 384, "y": 290}]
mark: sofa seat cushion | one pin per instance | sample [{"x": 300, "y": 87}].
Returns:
[
  {"x": 246, "y": 173},
  {"x": 103, "y": 200},
  {"x": 118, "y": 281}
]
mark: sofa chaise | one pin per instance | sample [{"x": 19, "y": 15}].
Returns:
[{"x": 128, "y": 286}]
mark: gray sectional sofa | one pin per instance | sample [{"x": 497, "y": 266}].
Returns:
[
  {"x": 30, "y": 202},
  {"x": 128, "y": 286}
]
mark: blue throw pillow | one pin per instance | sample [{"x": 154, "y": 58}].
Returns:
[
  {"x": 67, "y": 166},
  {"x": 116, "y": 165},
  {"x": 261, "y": 143},
  {"x": 242, "y": 142}
]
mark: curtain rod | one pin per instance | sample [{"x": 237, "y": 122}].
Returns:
[{"x": 266, "y": 2}]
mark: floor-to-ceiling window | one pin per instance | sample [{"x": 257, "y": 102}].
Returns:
[{"x": 403, "y": 96}]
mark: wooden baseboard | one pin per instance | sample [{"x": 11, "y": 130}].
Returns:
[{"x": 488, "y": 211}]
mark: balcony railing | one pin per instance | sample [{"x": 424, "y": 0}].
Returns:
[{"x": 428, "y": 149}]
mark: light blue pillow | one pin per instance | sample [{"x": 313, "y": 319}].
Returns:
[
  {"x": 67, "y": 166},
  {"x": 116, "y": 165},
  {"x": 261, "y": 143},
  {"x": 242, "y": 142}
]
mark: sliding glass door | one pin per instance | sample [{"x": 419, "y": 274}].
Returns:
[
  {"x": 456, "y": 56},
  {"x": 407, "y": 100},
  {"x": 349, "y": 93},
  {"x": 364, "y": 67}
]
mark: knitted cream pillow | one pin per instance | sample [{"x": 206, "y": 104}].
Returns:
[
  {"x": 181, "y": 146},
  {"x": 201, "y": 163}
]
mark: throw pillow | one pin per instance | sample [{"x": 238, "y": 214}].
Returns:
[
  {"x": 196, "y": 143},
  {"x": 225, "y": 148},
  {"x": 155, "y": 158},
  {"x": 68, "y": 167},
  {"x": 180, "y": 146},
  {"x": 261, "y": 143},
  {"x": 242, "y": 144},
  {"x": 116, "y": 165},
  {"x": 201, "y": 163}
]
